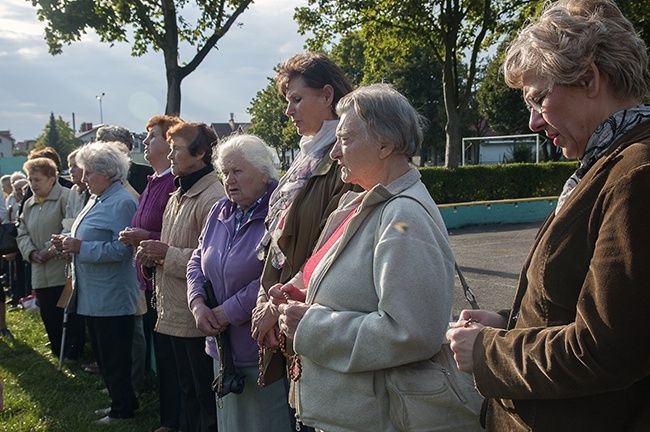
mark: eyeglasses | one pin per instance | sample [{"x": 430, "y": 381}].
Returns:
[{"x": 536, "y": 102}]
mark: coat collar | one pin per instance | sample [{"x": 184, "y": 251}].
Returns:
[
  {"x": 199, "y": 186},
  {"x": 54, "y": 195}
]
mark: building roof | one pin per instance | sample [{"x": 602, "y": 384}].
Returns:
[
  {"x": 7, "y": 134},
  {"x": 226, "y": 129}
]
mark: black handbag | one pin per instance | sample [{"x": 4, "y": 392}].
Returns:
[
  {"x": 8, "y": 233},
  {"x": 230, "y": 378}
]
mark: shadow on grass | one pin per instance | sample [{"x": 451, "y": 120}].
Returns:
[{"x": 38, "y": 397}]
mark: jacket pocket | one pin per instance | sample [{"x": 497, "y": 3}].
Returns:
[{"x": 423, "y": 397}]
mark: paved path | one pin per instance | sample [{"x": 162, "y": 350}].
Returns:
[{"x": 491, "y": 257}]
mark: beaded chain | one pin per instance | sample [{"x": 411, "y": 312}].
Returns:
[{"x": 295, "y": 365}]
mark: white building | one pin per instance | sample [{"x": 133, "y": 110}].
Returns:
[{"x": 6, "y": 144}]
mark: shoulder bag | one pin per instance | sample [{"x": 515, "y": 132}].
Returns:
[
  {"x": 230, "y": 379},
  {"x": 8, "y": 233},
  {"x": 433, "y": 394}
]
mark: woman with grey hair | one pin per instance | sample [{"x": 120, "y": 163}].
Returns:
[
  {"x": 226, "y": 259},
  {"x": 572, "y": 352},
  {"x": 105, "y": 286},
  {"x": 377, "y": 292}
]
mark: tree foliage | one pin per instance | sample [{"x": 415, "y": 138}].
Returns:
[
  {"x": 146, "y": 24},
  {"x": 454, "y": 31},
  {"x": 269, "y": 121},
  {"x": 60, "y": 136}
]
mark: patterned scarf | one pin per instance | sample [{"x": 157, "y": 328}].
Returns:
[
  {"x": 600, "y": 142},
  {"x": 312, "y": 151}
]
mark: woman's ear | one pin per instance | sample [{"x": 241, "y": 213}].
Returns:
[{"x": 328, "y": 93}]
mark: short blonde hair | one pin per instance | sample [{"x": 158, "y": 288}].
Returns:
[{"x": 569, "y": 36}]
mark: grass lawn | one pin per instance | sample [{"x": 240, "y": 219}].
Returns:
[{"x": 37, "y": 397}]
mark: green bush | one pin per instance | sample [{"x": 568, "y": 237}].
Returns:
[{"x": 496, "y": 182}]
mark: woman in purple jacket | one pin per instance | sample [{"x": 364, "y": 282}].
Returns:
[{"x": 226, "y": 257}]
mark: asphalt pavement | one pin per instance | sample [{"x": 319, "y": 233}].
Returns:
[{"x": 491, "y": 258}]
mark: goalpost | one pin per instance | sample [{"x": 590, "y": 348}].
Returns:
[{"x": 501, "y": 138}]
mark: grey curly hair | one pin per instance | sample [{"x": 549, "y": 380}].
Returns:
[
  {"x": 106, "y": 158},
  {"x": 569, "y": 36}
]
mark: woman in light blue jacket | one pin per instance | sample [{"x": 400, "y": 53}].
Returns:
[{"x": 106, "y": 289}]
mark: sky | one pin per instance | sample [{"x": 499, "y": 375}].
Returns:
[{"x": 33, "y": 83}]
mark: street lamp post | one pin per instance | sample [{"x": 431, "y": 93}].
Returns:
[{"x": 101, "y": 114}]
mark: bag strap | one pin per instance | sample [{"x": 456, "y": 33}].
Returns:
[{"x": 467, "y": 291}]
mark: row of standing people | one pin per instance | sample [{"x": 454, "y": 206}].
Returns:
[{"x": 356, "y": 275}]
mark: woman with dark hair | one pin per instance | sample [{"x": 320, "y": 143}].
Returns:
[
  {"x": 312, "y": 84},
  {"x": 198, "y": 188}
]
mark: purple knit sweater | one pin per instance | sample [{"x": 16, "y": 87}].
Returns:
[{"x": 150, "y": 212}]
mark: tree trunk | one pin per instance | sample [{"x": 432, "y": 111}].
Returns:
[
  {"x": 452, "y": 127},
  {"x": 174, "y": 79},
  {"x": 454, "y": 138}
]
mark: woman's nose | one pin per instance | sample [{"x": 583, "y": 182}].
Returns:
[
  {"x": 536, "y": 121},
  {"x": 335, "y": 153}
]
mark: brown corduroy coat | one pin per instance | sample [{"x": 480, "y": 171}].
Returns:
[{"x": 576, "y": 356}]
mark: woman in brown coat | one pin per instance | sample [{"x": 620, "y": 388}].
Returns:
[{"x": 573, "y": 353}]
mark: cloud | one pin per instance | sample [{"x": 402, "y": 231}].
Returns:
[{"x": 34, "y": 83}]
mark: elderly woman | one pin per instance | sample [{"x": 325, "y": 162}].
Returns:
[
  {"x": 226, "y": 258},
  {"x": 79, "y": 193},
  {"x": 105, "y": 287},
  {"x": 185, "y": 215},
  {"x": 573, "y": 355},
  {"x": 312, "y": 84},
  {"x": 379, "y": 285},
  {"x": 42, "y": 216},
  {"x": 147, "y": 225}
]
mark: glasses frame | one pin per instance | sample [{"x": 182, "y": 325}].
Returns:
[{"x": 537, "y": 103}]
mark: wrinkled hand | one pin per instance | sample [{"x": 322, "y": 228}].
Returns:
[
  {"x": 279, "y": 294},
  {"x": 263, "y": 324},
  {"x": 206, "y": 320},
  {"x": 57, "y": 241},
  {"x": 151, "y": 252},
  {"x": 485, "y": 317},
  {"x": 42, "y": 256},
  {"x": 290, "y": 315},
  {"x": 461, "y": 337},
  {"x": 71, "y": 245},
  {"x": 131, "y": 237}
]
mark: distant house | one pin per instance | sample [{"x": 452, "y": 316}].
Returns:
[
  {"x": 87, "y": 133},
  {"x": 226, "y": 129},
  {"x": 6, "y": 144},
  {"x": 25, "y": 145}
]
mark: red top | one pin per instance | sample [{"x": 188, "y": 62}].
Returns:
[{"x": 313, "y": 260}]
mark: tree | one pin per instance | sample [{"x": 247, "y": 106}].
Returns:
[
  {"x": 153, "y": 25},
  {"x": 414, "y": 72},
  {"x": 270, "y": 122},
  {"x": 503, "y": 107},
  {"x": 454, "y": 30},
  {"x": 60, "y": 136}
]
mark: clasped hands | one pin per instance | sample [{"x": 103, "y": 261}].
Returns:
[
  {"x": 210, "y": 322},
  {"x": 63, "y": 246},
  {"x": 151, "y": 252},
  {"x": 462, "y": 334},
  {"x": 285, "y": 306}
]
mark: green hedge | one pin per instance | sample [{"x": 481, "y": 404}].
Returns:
[{"x": 496, "y": 182}]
